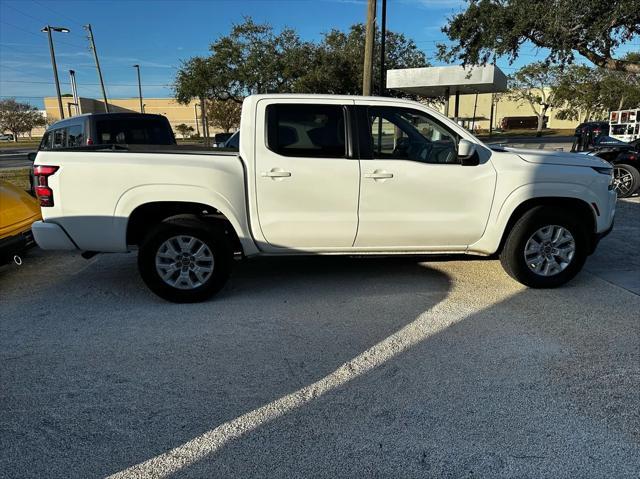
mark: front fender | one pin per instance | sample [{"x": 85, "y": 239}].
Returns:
[{"x": 501, "y": 214}]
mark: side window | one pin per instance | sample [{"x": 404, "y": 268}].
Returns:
[
  {"x": 406, "y": 134},
  {"x": 59, "y": 138},
  {"x": 306, "y": 130},
  {"x": 75, "y": 136},
  {"x": 45, "y": 144}
]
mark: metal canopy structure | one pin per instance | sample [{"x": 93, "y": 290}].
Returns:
[{"x": 444, "y": 81}]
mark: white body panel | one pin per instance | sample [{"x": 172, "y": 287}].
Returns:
[{"x": 326, "y": 205}]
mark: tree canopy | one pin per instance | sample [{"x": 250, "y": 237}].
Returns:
[
  {"x": 535, "y": 84},
  {"x": 19, "y": 117},
  {"x": 224, "y": 114},
  {"x": 594, "y": 29},
  {"x": 253, "y": 58},
  {"x": 587, "y": 93}
]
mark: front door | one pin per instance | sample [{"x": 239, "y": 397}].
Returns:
[
  {"x": 414, "y": 192},
  {"x": 306, "y": 186}
]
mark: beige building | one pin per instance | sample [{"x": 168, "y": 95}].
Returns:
[
  {"x": 504, "y": 107},
  {"x": 175, "y": 112}
]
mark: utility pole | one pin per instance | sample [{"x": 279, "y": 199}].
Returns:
[
  {"x": 368, "y": 48},
  {"x": 74, "y": 91},
  {"x": 48, "y": 29},
  {"x": 137, "y": 67},
  {"x": 383, "y": 40},
  {"x": 95, "y": 56}
]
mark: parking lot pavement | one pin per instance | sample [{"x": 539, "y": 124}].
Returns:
[
  {"x": 15, "y": 157},
  {"x": 323, "y": 367}
]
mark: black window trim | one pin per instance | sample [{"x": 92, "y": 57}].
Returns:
[{"x": 364, "y": 135}]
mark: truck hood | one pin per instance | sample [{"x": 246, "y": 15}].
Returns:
[{"x": 558, "y": 158}]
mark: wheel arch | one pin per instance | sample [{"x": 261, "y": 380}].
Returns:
[
  {"x": 173, "y": 200},
  {"x": 582, "y": 209}
]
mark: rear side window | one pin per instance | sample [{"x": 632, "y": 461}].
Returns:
[
  {"x": 134, "y": 131},
  {"x": 75, "y": 136},
  {"x": 59, "y": 138},
  {"x": 306, "y": 130}
]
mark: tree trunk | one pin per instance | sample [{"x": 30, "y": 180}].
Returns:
[
  {"x": 621, "y": 104},
  {"x": 540, "y": 124},
  {"x": 15, "y": 136}
]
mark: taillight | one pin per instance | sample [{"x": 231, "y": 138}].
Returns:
[
  {"x": 41, "y": 174},
  {"x": 89, "y": 141}
]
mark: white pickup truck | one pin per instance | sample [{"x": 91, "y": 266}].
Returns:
[{"x": 321, "y": 174}]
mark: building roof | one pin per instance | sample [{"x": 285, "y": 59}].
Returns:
[{"x": 434, "y": 81}]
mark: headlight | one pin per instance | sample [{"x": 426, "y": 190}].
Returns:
[{"x": 605, "y": 170}]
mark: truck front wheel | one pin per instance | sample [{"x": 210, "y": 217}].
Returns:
[
  {"x": 185, "y": 261},
  {"x": 545, "y": 248}
]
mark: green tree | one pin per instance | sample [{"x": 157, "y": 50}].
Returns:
[
  {"x": 535, "y": 84},
  {"x": 254, "y": 58},
  {"x": 251, "y": 59},
  {"x": 184, "y": 129},
  {"x": 586, "y": 93},
  {"x": 336, "y": 65},
  {"x": 594, "y": 29},
  {"x": 224, "y": 114},
  {"x": 19, "y": 117}
]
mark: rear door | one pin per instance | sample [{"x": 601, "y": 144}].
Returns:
[{"x": 306, "y": 180}]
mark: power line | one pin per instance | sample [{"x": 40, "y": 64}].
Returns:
[{"x": 87, "y": 84}]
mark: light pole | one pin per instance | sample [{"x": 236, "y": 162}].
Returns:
[
  {"x": 48, "y": 30},
  {"x": 137, "y": 67}
]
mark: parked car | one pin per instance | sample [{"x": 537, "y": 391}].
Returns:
[
  {"x": 6, "y": 137},
  {"x": 625, "y": 158},
  {"x": 586, "y": 134},
  {"x": 17, "y": 214},
  {"x": 233, "y": 143},
  {"x": 108, "y": 129},
  {"x": 322, "y": 174},
  {"x": 220, "y": 138}
]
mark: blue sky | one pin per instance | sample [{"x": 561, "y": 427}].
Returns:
[{"x": 157, "y": 34}]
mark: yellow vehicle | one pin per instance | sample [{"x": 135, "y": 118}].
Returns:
[{"x": 18, "y": 211}]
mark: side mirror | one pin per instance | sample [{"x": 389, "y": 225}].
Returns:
[
  {"x": 467, "y": 153},
  {"x": 31, "y": 156}
]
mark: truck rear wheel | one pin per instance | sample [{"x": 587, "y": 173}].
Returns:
[
  {"x": 185, "y": 261},
  {"x": 546, "y": 248}
]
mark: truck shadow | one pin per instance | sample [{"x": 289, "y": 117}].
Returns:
[{"x": 98, "y": 374}]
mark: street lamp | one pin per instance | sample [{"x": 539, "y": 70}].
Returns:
[
  {"x": 137, "y": 67},
  {"x": 48, "y": 29}
]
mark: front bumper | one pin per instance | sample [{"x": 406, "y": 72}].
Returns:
[
  {"x": 14, "y": 245},
  {"x": 51, "y": 236},
  {"x": 596, "y": 237}
]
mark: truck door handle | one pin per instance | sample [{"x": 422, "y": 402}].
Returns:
[
  {"x": 276, "y": 173},
  {"x": 379, "y": 175}
]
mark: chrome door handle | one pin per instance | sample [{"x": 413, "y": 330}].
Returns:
[
  {"x": 379, "y": 175},
  {"x": 276, "y": 173}
]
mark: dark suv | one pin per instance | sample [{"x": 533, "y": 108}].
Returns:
[{"x": 108, "y": 129}]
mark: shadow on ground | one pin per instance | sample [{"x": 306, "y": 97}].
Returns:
[{"x": 98, "y": 374}]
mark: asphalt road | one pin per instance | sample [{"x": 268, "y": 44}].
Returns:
[
  {"x": 323, "y": 367},
  {"x": 15, "y": 157}
]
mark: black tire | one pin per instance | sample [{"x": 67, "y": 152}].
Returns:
[
  {"x": 214, "y": 238},
  {"x": 512, "y": 255},
  {"x": 630, "y": 171}
]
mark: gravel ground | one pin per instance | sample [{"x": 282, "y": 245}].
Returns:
[{"x": 323, "y": 367}]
